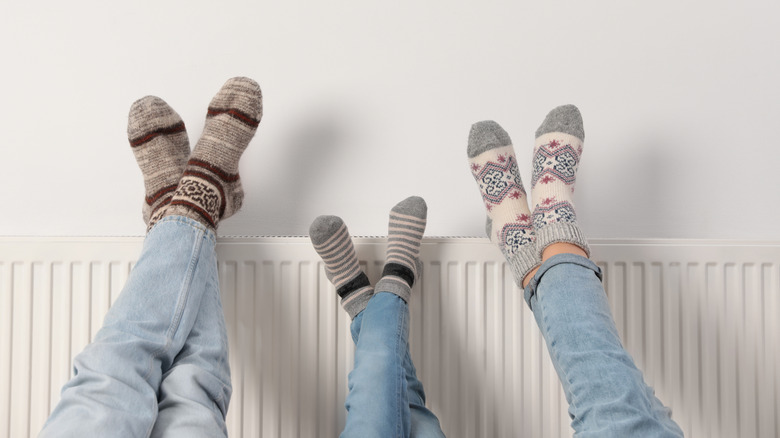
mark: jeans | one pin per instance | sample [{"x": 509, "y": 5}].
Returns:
[
  {"x": 385, "y": 397},
  {"x": 607, "y": 394},
  {"x": 159, "y": 365}
]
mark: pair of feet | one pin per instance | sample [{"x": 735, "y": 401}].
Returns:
[
  {"x": 526, "y": 236},
  {"x": 331, "y": 240},
  {"x": 203, "y": 184}
]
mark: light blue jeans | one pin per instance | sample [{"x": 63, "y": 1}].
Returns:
[
  {"x": 385, "y": 398},
  {"x": 607, "y": 394},
  {"x": 159, "y": 365}
]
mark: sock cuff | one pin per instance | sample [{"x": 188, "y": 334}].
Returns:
[
  {"x": 394, "y": 285},
  {"x": 357, "y": 301},
  {"x": 523, "y": 261},
  {"x": 398, "y": 270},
  {"x": 357, "y": 282},
  {"x": 562, "y": 232}
]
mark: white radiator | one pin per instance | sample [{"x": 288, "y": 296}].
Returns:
[{"x": 699, "y": 318}]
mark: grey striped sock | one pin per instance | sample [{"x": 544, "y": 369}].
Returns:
[
  {"x": 405, "y": 233},
  {"x": 332, "y": 241}
]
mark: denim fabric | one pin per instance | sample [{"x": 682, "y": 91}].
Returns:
[
  {"x": 607, "y": 394},
  {"x": 163, "y": 336},
  {"x": 385, "y": 397}
]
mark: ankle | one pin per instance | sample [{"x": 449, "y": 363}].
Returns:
[
  {"x": 562, "y": 248},
  {"x": 529, "y": 276}
]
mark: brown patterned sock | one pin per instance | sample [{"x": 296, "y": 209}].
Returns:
[
  {"x": 159, "y": 141},
  {"x": 210, "y": 188}
]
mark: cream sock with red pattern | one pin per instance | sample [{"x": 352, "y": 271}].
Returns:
[
  {"x": 494, "y": 167},
  {"x": 557, "y": 153}
]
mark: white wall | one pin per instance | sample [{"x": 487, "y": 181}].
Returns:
[{"x": 368, "y": 102}]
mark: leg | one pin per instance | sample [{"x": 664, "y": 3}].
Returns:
[
  {"x": 195, "y": 392},
  {"x": 116, "y": 377},
  {"x": 377, "y": 404},
  {"x": 424, "y": 422},
  {"x": 606, "y": 392},
  {"x": 382, "y": 355},
  {"x": 149, "y": 330}
]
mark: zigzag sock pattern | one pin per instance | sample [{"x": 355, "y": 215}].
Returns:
[
  {"x": 557, "y": 153},
  {"x": 494, "y": 167},
  {"x": 210, "y": 188},
  {"x": 405, "y": 233},
  {"x": 159, "y": 142},
  {"x": 331, "y": 240}
]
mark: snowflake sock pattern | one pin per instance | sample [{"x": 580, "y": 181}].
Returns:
[
  {"x": 405, "y": 232},
  {"x": 494, "y": 167},
  {"x": 210, "y": 188},
  {"x": 557, "y": 153},
  {"x": 332, "y": 241},
  {"x": 159, "y": 142}
]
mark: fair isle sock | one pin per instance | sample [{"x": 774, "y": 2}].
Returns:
[
  {"x": 159, "y": 141},
  {"x": 557, "y": 153},
  {"x": 405, "y": 233},
  {"x": 332, "y": 241},
  {"x": 494, "y": 167},
  {"x": 210, "y": 188}
]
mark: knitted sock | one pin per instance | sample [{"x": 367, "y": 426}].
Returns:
[
  {"x": 557, "y": 153},
  {"x": 331, "y": 240},
  {"x": 159, "y": 141},
  {"x": 405, "y": 233},
  {"x": 210, "y": 188},
  {"x": 509, "y": 225}
]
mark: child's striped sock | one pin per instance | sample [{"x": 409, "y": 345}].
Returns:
[
  {"x": 405, "y": 233},
  {"x": 332, "y": 241}
]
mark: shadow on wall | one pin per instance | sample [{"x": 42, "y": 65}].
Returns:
[
  {"x": 307, "y": 155},
  {"x": 637, "y": 182}
]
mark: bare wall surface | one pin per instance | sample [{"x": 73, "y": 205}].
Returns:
[{"x": 369, "y": 102}]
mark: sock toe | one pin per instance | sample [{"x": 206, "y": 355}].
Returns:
[
  {"x": 323, "y": 228},
  {"x": 564, "y": 118},
  {"x": 412, "y": 206},
  {"x": 486, "y": 135},
  {"x": 149, "y": 117},
  {"x": 241, "y": 98}
]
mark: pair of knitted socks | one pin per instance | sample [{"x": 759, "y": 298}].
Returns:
[
  {"x": 203, "y": 185},
  {"x": 332, "y": 241},
  {"x": 522, "y": 234}
]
